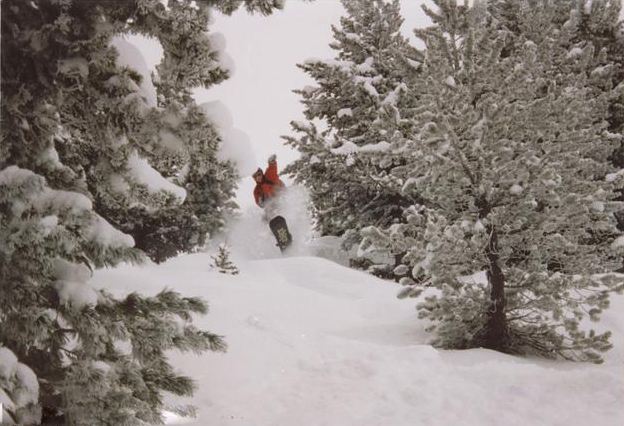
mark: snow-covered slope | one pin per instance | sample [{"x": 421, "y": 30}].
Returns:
[{"x": 314, "y": 343}]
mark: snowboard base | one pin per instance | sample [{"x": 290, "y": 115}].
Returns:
[{"x": 280, "y": 230}]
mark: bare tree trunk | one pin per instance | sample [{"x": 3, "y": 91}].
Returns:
[{"x": 495, "y": 333}]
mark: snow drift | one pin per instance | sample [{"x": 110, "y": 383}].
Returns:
[{"x": 314, "y": 343}]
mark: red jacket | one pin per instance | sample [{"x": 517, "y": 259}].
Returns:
[{"x": 270, "y": 186}]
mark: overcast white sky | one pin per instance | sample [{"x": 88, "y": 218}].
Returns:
[{"x": 265, "y": 51}]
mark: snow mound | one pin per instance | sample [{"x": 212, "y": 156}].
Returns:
[{"x": 314, "y": 343}]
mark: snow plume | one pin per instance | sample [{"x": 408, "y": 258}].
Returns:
[
  {"x": 295, "y": 209},
  {"x": 249, "y": 236}
]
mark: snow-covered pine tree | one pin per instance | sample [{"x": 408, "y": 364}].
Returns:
[
  {"x": 359, "y": 98},
  {"x": 79, "y": 129},
  {"x": 209, "y": 185},
  {"x": 597, "y": 22},
  {"x": 222, "y": 262},
  {"x": 511, "y": 162},
  {"x": 181, "y": 144}
]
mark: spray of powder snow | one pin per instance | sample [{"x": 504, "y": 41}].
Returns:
[{"x": 249, "y": 236}]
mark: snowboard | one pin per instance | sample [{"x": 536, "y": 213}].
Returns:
[{"x": 280, "y": 230}]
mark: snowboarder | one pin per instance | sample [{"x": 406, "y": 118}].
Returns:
[{"x": 268, "y": 186}]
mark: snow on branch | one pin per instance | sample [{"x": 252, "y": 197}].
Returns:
[{"x": 151, "y": 178}]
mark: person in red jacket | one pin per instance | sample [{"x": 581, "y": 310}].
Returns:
[{"x": 268, "y": 184}]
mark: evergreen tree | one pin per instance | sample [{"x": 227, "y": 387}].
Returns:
[
  {"x": 510, "y": 159},
  {"x": 596, "y": 22},
  {"x": 86, "y": 153},
  {"x": 209, "y": 185},
  {"x": 222, "y": 261},
  {"x": 360, "y": 100}
]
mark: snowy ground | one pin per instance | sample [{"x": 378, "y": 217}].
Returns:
[{"x": 314, "y": 343}]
